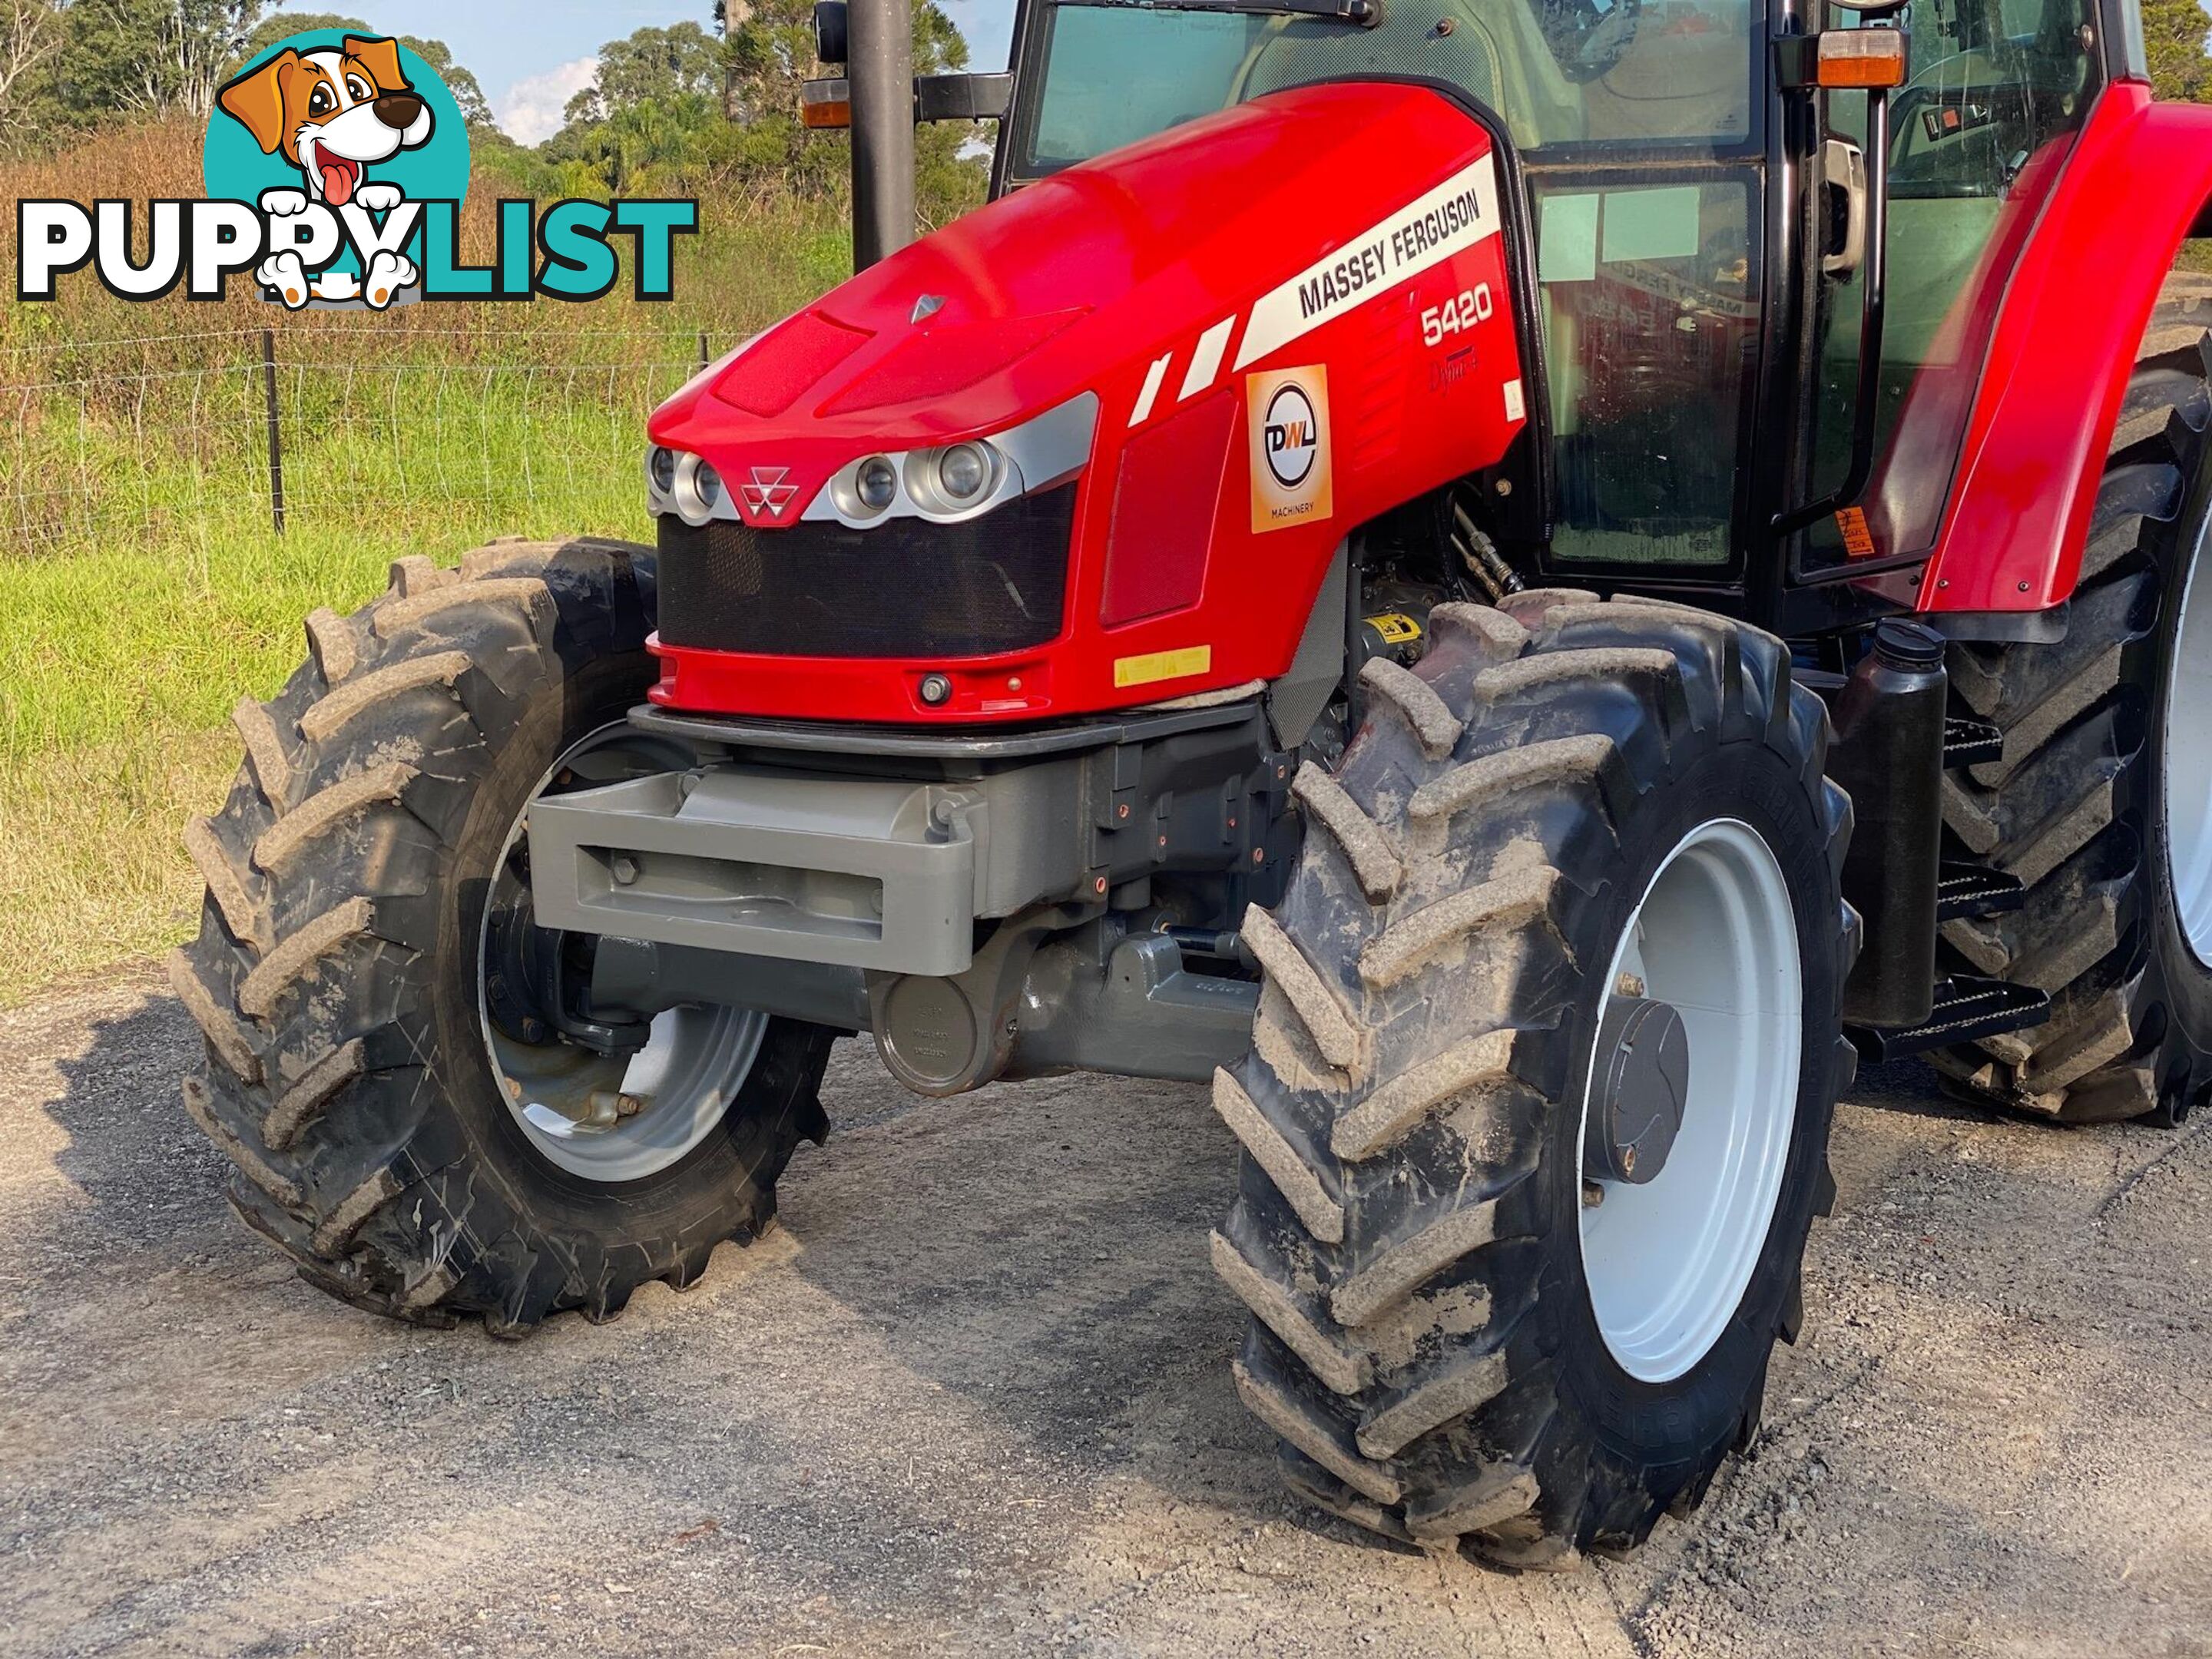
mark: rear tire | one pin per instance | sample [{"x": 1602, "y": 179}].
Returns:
[
  {"x": 1409, "y": 1232},
  {"x": 338, "y": 973},
  {"x": 2077, "y": 807}
]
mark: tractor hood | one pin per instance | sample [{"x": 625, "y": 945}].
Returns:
[
  {"x": 1217, "y": 246},
  {"x": 1201, "y": 363}
]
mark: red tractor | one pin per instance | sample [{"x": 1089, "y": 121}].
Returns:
[{"x": 1376, "y": 573}]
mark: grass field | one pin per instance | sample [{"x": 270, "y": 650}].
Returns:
[{"x": 145, "y": 588}]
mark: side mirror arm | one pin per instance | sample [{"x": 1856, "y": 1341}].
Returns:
[{"x": 1835, "y": 59}]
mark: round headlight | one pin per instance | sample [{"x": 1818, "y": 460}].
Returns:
[
  {"x": 963, "y": 472},
  {"x": 708, "y": 483},
  {"x": 876, "y": 484},
  {"x": 663, "y": 464}
]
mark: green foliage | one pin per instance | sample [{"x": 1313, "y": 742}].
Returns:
[
  {"x": 656, "y": 66},
  {"x": 468, "y": 92},
  {"x": 767, "y": 50},
  {"x": 770, "y": 49},
  {"x": 2176, "y": 33},
  {"x": 658, "y": 120},
  {"x": 141, "y": 57}
]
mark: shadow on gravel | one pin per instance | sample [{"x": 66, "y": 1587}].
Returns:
[
  {"x": 986, "y": 1324},
  {"x": 153, "y": 1181}
]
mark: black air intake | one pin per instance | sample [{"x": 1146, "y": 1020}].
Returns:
[{"x": 901, "y": 588}]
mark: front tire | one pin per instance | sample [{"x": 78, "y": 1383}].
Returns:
[
  {"x": 374, "y": 1099},
  {"x": 1444, "y": 1348}
]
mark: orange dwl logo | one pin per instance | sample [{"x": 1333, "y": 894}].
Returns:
[{"x": 1290, "y": 480}]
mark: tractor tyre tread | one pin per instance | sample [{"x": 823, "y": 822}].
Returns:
[
  {"x": 311, "y": 975},
  {"x": 2054, "y": 810},
  {"x": 1408, "y": 1064}
]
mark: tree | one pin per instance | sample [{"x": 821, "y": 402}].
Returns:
[
  {"x": 161, "y": 56},
  {"x": 661, "y": 65},
  {"x": 767, "y": 47},
  {"x": 770, "y": 48},
  {"x": 30, "y": 39},
  {"x": 2176, "y": 33},
  {"x": 468, "y": 92}
]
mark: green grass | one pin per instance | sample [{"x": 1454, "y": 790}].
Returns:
[
  {"x": 142, "y": 587},
  {"x": 152, "y": 590},
  {"x": 117, "y": 673},
  {"x": 147, "y": 590}
]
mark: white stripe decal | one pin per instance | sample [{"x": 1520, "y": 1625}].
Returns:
[
  {"x": 1144, "y": 409},
  {"x": 1450, "y": 219},
  {"x": 1207, "y": 363}
]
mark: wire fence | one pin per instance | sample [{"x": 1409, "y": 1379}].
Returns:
[{"x": 189, "y": 439}]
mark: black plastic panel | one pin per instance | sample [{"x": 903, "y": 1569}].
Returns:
[{"x": 903, "y": 588}]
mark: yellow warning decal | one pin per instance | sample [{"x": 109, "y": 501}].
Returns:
[
  {"x": 1396, "y": 628},
  {"x": 1156, "y": 665}
]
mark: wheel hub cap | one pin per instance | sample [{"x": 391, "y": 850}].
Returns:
[{"x": 1713, "y": 944}]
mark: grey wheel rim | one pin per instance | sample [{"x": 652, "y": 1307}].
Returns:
[
  {"x": 614, "y": 1119},
  {"x": 2188, "y": 780}
]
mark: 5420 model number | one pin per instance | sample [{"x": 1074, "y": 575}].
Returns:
[{"x": 1470, "y": 306}]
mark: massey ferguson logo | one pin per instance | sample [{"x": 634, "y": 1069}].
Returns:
[
  {"x": 768, "y": 494},
  {"x": 1293, "y": 436}
]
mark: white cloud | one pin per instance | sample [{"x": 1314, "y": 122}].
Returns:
[{"x": 529, "y": 113}]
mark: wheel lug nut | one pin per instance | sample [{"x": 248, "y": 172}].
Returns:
[{"x": 1593, "y": 1194}]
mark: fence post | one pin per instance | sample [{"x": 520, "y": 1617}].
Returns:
[
  {"x": 705, "y": 361},
  {"x": 275, "y": 434}
]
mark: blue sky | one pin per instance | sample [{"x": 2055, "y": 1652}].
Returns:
[{"x": 531, "y": 55}]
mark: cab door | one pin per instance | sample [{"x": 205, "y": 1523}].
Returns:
[
  {"x": 1649, "y": 221},
  {"x": 1995, "y": 92}
]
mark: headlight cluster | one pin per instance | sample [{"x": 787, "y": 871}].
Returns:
[
  {"x": 684, "y": 485},
  {"x": 944, "y": 484}
]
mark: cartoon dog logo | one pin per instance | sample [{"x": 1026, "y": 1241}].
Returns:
[{"x": 334, "y": 114}]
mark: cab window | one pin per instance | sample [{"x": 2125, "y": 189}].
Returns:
[{"x": 1561, "y": 73}]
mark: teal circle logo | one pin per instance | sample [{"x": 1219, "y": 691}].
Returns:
[{"x": 345, "y": 123}]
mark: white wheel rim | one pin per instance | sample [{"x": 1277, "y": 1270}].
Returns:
[
  {"x": 1667, "y": 1263},
  {"x": 2189, "y": 765},
  {"x": 684, "y": 1080}
]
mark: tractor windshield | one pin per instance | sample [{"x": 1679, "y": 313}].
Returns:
[{"x": 1560, "y": 72}]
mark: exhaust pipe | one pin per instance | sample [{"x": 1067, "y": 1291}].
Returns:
[{"x": 879, "y": 65}]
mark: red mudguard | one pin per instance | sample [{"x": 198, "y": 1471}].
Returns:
[{"x": 2134, "y": 185}]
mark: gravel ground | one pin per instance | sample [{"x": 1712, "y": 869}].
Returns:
[{"x": 974, "y": 1398}]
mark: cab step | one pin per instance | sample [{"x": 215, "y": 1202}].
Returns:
[
  {"x": 1967, "y": 1009},
  {"x": 1965, "y": 890},
  {"x": 1970, "y": 742}
]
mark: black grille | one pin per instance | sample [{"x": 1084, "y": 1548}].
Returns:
[{"x": 902, "y": 588}]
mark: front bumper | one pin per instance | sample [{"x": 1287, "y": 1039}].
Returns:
[{"x": 884, "y": 874}]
